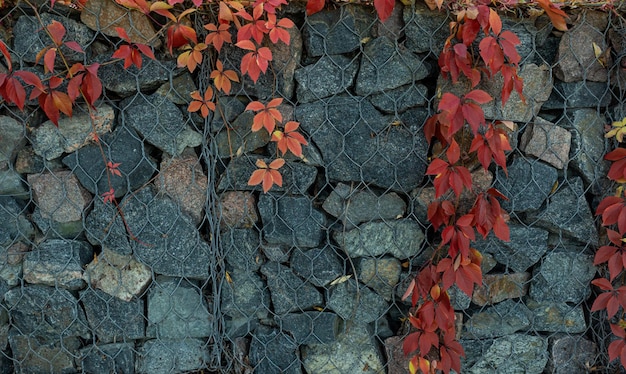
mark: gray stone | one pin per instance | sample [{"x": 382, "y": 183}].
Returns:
[
  {"x": 356, "y": 303},
  {"x": 289, "y": 293},
  {"x": 328, "y": 76},
  {"x": 227, "y": 108},
  {"x": 58, "y": 263},
  {"x": 237, "y": 210},
  {"x": 568, "y": 213},
  {"x": 571, "y": 354},
  {"x": 311, "y": 327},
  {"x": 385, "y": 66},
  {"x": 527, "y": 185},
  {"x": 177, "y": 310},
  {"x": 160, "y": 122},
  {"x": 501, "y": 319},
  {"x": 379, "y": 274},
  {"x": 337, "y": 31},
  {"x": 513, "y": 354},
  {"x": 126, "y": 82},
  {"x": 291, "y": 220},
  {"x": 297, "y": 177},
  {"x": 15, "y": 225},
  {"x": 499, "y": 287},
  {"x": 548, "y": 142},
  {"x": 355, "y": 351},
  {"x": 122, "y": 146},
  {"x": 239, "y": 138},
  {"x": 112, "y": 319},
  {"x": 360, "y": 144},
  {"x": 12, "y": 138},
  {"x": 27, "y": 162},
  {"x": 72, "y": 133},
  {"x": 10, "y": 270},
  {"x": 458, "y": 298},
  {"x": 276, "y": 252},
  {"x": 525, "y": 248},
  {"x": 392, "y": 27},
  {"x": 580, "y": 94},
  {"x": 246, "y": 296},
  {"x": 426, "y": 30},
  {"x": 563, "y": 277},
  {"x": 557, "y": 317},
  {"x": 12, "y": 184},
  {"x": 63, "y": 315},
  {"x": 108, "y": 358},
  {"x": 576, "y": 59},
  {"x": 32, "y": 355},
  {"x": 239, "y": 327},
  {"x": 179, "y": 89},
  {"x": 400, "y": 99},
  {"x": 401, "y": 238},
  {"x": 272, "y": 351},
  {"x": 31, "y": 37},
  {"x": 172, "y": 356},
  {"x": 118, "y": 275},
  {"x": 102, "y": 227},
  {"x": 319, "y": 266},
  {"x": 241, "y": 248},
  {"x": 353, "y": 207}
]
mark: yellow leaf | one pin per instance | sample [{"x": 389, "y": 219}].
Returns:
[
  {"x": 596, "y": 50},
  {"x": 340, "y": 280}
]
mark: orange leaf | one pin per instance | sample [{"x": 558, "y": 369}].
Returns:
[{"x": 557, "y": 16}]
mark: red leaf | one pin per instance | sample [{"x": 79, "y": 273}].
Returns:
[
  {"x": 454, "y": 152},
  {"x": 57, "y": 32},
  {"x": 48, "y": 60},
  {"x": 314, "y": 6},
  {"x": 74, "y": 46},
  {"x": 384, "y": 8},
  {"x": 6, "y": 54},
  {"x": 479, "y": 96},
  {"x": 557, "y": 16}
]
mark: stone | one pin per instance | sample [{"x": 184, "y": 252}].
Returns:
[
  {"x": 400, "y": 99},
  {"x": 289, "y": 292},
  {"x": 385, "y": 66},
  {"x": 297, "y": 177},
  {"x": 330, "y": 75},
  {"x": 353, "y": 207},
  {"x": 177, "y": 310},
  {"x": 557, "y": 317},
  {"x": 318, "y": 266},
  {"x": 112, "y": 319},
  {"x": 10, "y": 271},
  {"x": 576, "y": 59},
  {"x": 12, "y": 184},
  {"x": 499, "y": 287},
  {"x": 359, "y": 144},
  {"x": 183, "y": 180},
  {"x": 27, "y": 162},
  {"x": 104, "y": 16},
  {"x": 30, "y": 37},
  {"x": 179, "y": 89},
  {"x": 396, "y": 359},
  {"x": 15, "y": 255},
  {"x": 458, "y": 298},
  {"x": 548, "y": 142},
  {"x": 568, "y": 212},
  {"x": 579, "y": 94},
  {"x": 15, "y": 225},
  {"x": 241, "y": 248},
  {"x": 238, "y": 210},
  {"x": 392, "y": 27},
  {"x": 239, "y": 327},
  {"x": 227, "y": 109},
  {"x": 272, "y": 351},
  {"x": 63, "y": 315},
  {"x": 426, "y": 30},
  {"x": 291, "y": 220},
  {"x": 401, "y": 239},
  {"x": 118, "y": 275},
  {"x": 58, "y": 263},
  {"x": 356, "y": 350},
  {"x": 12, "y": 138},
  {"x": 501, "y": 319},
  {"x": 571, "y": 354},
  {"x": 72, "y": 133},
  {"x": 588, "y": 145},
  {"x": 126, "y": 82},
  {"x": 337, "y": 31},
  {"x": 379, "y": 274},
  {"x": 160, "y": 122},
  {"x": 246, "y": 296},
  {"x": 563, "y": 277},
  {"x": 172, "y": 356},
  {"x": 355, "y": 302},
  {"x": 527, "y": 185},
  {"x": 239, "y": 138},
  {"x": 311, "y": 327},
  {"x": 108, "y": 358},
  {"x": 526, "y": 247},
  {"x": 276, "y": 252},
  {"x": 511, "y": 354},
  {"x": 59, "y": 196},
  {"x": 122, "y": 146},
  {"x": 104, "y": 229},
  {"x": 31, "y": 355}
]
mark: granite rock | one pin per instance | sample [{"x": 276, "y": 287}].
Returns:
[
  {"x": 548, "y": 142},
  {"x": 289, "y": 293},
  {"x": 58, "y": 263},
  {"x": 319, "y": 266},
  {"x": 272, "y": 351},
  {"x": 112, "y": 319},
  {"x": 356, "y": 303},
  {"x": 400, "y": 238},
  {"x": 167, "y": 356},
  {"x": 563, "y": 277},
  {"x": 328, "y": 76}
]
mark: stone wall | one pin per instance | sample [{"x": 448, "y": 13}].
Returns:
[{"x": 198, "y": 270}]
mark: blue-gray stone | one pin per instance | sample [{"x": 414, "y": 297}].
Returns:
[
  {"x": 172, "y": 356},
  {"x": 512, "y": 354},
  {"x": 112, "y": 319},
  {"x": 563, "y": 276},
  {"x": 246, "y": 296},
  {"x": 14, "y": 226},
  {"x": 59, "y": 263},
  {"x": 318, "y": 266},
  {"x": 289, "y": 292},
  {"x": 357, "y": 304},
  {"x": 527, "y": 185},
  {"x": 126, "y": 82},
  {"x": 242, "y": 248},
  {"x": 502, "y": 319},
  {"x": 33, "y": 355},
  {"x": 400, "y": 99},
  {"x": 311, "y": 327},
  {"x": 401, "y": 239},
  {"x": 108, "y": 358},
  {"x": 272, "y": 351},
  {"x": 426, "y": 30},
  {"x": 581, "y": 94},
  {"x": 328, "y": 76}
]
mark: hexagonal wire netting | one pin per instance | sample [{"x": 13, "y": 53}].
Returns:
[{"x": 196, "y": 271}]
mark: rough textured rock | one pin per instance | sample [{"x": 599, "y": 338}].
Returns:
[
  {"x": 311, "y": 327},
  {"x": 515, "y": 353},
  {"x": 112, "y": 319},
  {"x": 104, "y": 16},
  {"x": 318, "y": 266},
  {"x": 525, "y": 248},
  {"x": 400, "y": 99},
  {"x": 15, "y": 225},
  {"x": 167, "y": 356},
  {"x": 557, "y": 317},
  {"x": 499, "y": 287},
  {"x": 177, "y": 310},
  {"x": 58, "y": 263},
  {"x": 291, "y": 220},
  {"x": 396, "y": 359},
  {"x": 238, "y": 210},
  {"x": 179, "y": 90},
  {"x": 571, "y": 354},
  {"x": 227, "y": 109},
  {"x": 425, "y": 29},
  {"x": 108, "y": 358},
  {"x": 12, "y": 138},
  {"x": 527, "y": 186},
  {"x": 356, "y": 303},
  {"x": 580, "y": 94},
  {"x": 359, "y": 144},
  {"x": 501, "y": 319},
  {"x": 289, "y": 293},
  {"x": 401, "y": 238},
  {"x": 563, "y": 277},
  {"x": 272, "y": 351},
  {"x": 12, "y": 184},
  {"x": 548, "y": 142},
  {"x": 328, "y": 76},
  {"x": 379, "y": 274},
  {"x": 32, "y": 355},
  {"x": 242, "y": 248},
  {"x": 239, "y": 138},
  {"x": 246, "y": 296},
  {"x": 125, "y": 82}
]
